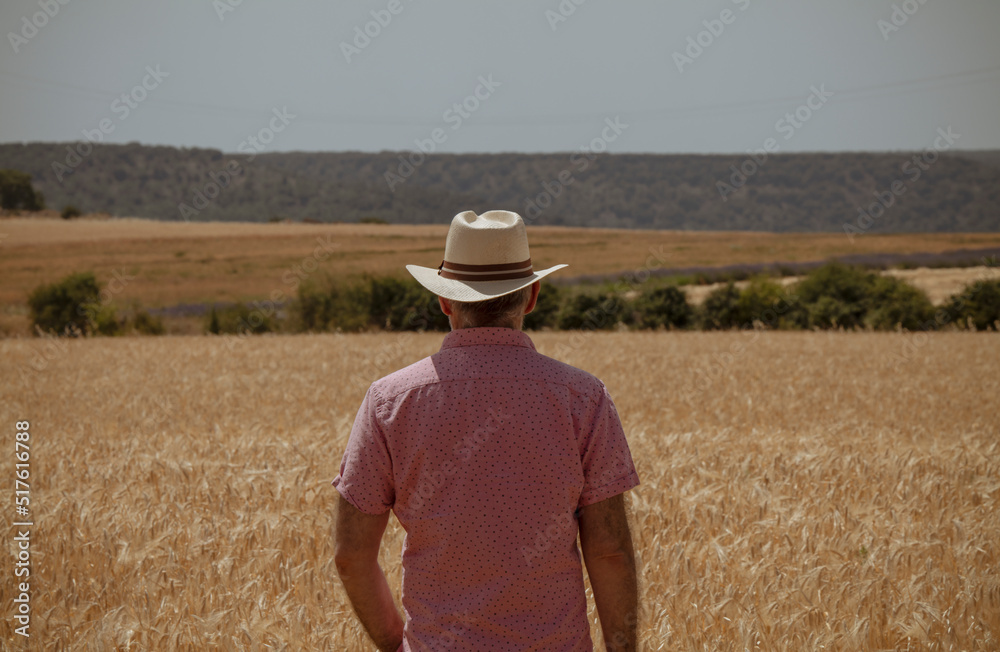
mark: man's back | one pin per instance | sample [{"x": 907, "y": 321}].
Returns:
[{"x": 485, "y": 451}]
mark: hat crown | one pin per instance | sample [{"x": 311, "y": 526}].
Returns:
[
  {"x": 493, "y": 238},
  {"x": 485, "y": 257}
]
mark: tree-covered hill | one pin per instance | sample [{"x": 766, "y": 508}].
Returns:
[{"x": 911, "y": 192}]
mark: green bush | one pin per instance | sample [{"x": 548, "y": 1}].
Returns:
[
  {"x": 586, "y": 311},
  {"x": 763, "y": 301},
  {"x": 842, "y": 296},
  {"x": 67, "y": 307},
  {"x": 977, "y": 305},
  {"x": 17, "y": 193},
  {"x": 213, "y": 327},
  {"x": 313, "y": 307},
  {"x": 73, "y": 306},
  {"x": 828, "y": 312},
  {"x": 70, "y": 211},
  {"x": 104, "y": 319},
  {"x": 546, "y": 310},
  {"x": 146, "y": 324},
  {"x": 240, "y": 319},
  {"x": 664, "y": 307},
  {"x": 895, "y": 302},
  {"x": 767, "y": 302},
  {"x": 834, "y": 295},
  {"x": 329, "y": 305},
  {"x": 388, "y": 303},
  {"x": 402, "y": 304},
  {"x": 721, "y": 309}
]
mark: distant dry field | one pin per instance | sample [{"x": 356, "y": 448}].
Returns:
[
  {"x": 800, "y": 491},
  {"x": 939, "y": 284},
  {"x": 167, "y": 263}
]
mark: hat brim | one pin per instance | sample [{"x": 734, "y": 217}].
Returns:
[{"x": 472, "y": 291}]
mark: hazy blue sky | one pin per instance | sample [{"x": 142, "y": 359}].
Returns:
[{"x": 228, "y": 66}]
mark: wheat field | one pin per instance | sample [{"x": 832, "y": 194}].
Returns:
[{"x": 800, "y": 491}]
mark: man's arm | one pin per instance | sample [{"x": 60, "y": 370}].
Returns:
[
  {"x": 358, "y": 536},
  {"x": 606, "y": 544}
]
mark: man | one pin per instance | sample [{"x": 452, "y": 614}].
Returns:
[{"x": 493, "y": 458}]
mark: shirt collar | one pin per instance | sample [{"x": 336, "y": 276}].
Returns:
[{"x": 486, "y": 336}]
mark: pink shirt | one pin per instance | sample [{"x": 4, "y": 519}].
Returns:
[{"x": 485, "y": 451}]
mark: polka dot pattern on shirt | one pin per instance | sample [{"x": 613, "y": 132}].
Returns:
[{"x": 485, "y": 451}]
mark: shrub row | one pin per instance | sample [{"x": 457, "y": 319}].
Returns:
[
  {"x": 842, "y": 296},
  {"x": 386, "y": 303},
  {"x": 75, "y": 307},
  {"x": 832, "y": 296}
]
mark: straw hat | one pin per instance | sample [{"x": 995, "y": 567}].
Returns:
[{"x": 485, "y": 256}]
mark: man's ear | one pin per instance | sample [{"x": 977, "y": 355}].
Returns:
[
  {"x": 445, "y": 306},
  {"x": 535, "y": 289}
]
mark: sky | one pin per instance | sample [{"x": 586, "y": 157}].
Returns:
[{"x": 643, "y": 76}]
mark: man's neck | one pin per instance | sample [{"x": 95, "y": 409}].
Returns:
[{"x": 509, "y": 326}]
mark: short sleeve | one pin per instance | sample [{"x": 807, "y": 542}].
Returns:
[
  {"x": 365, "y": 478},
  {"x": 608, "y": 468}
]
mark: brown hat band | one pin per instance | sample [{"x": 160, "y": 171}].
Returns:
[{"x": 501, "y": 272}]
